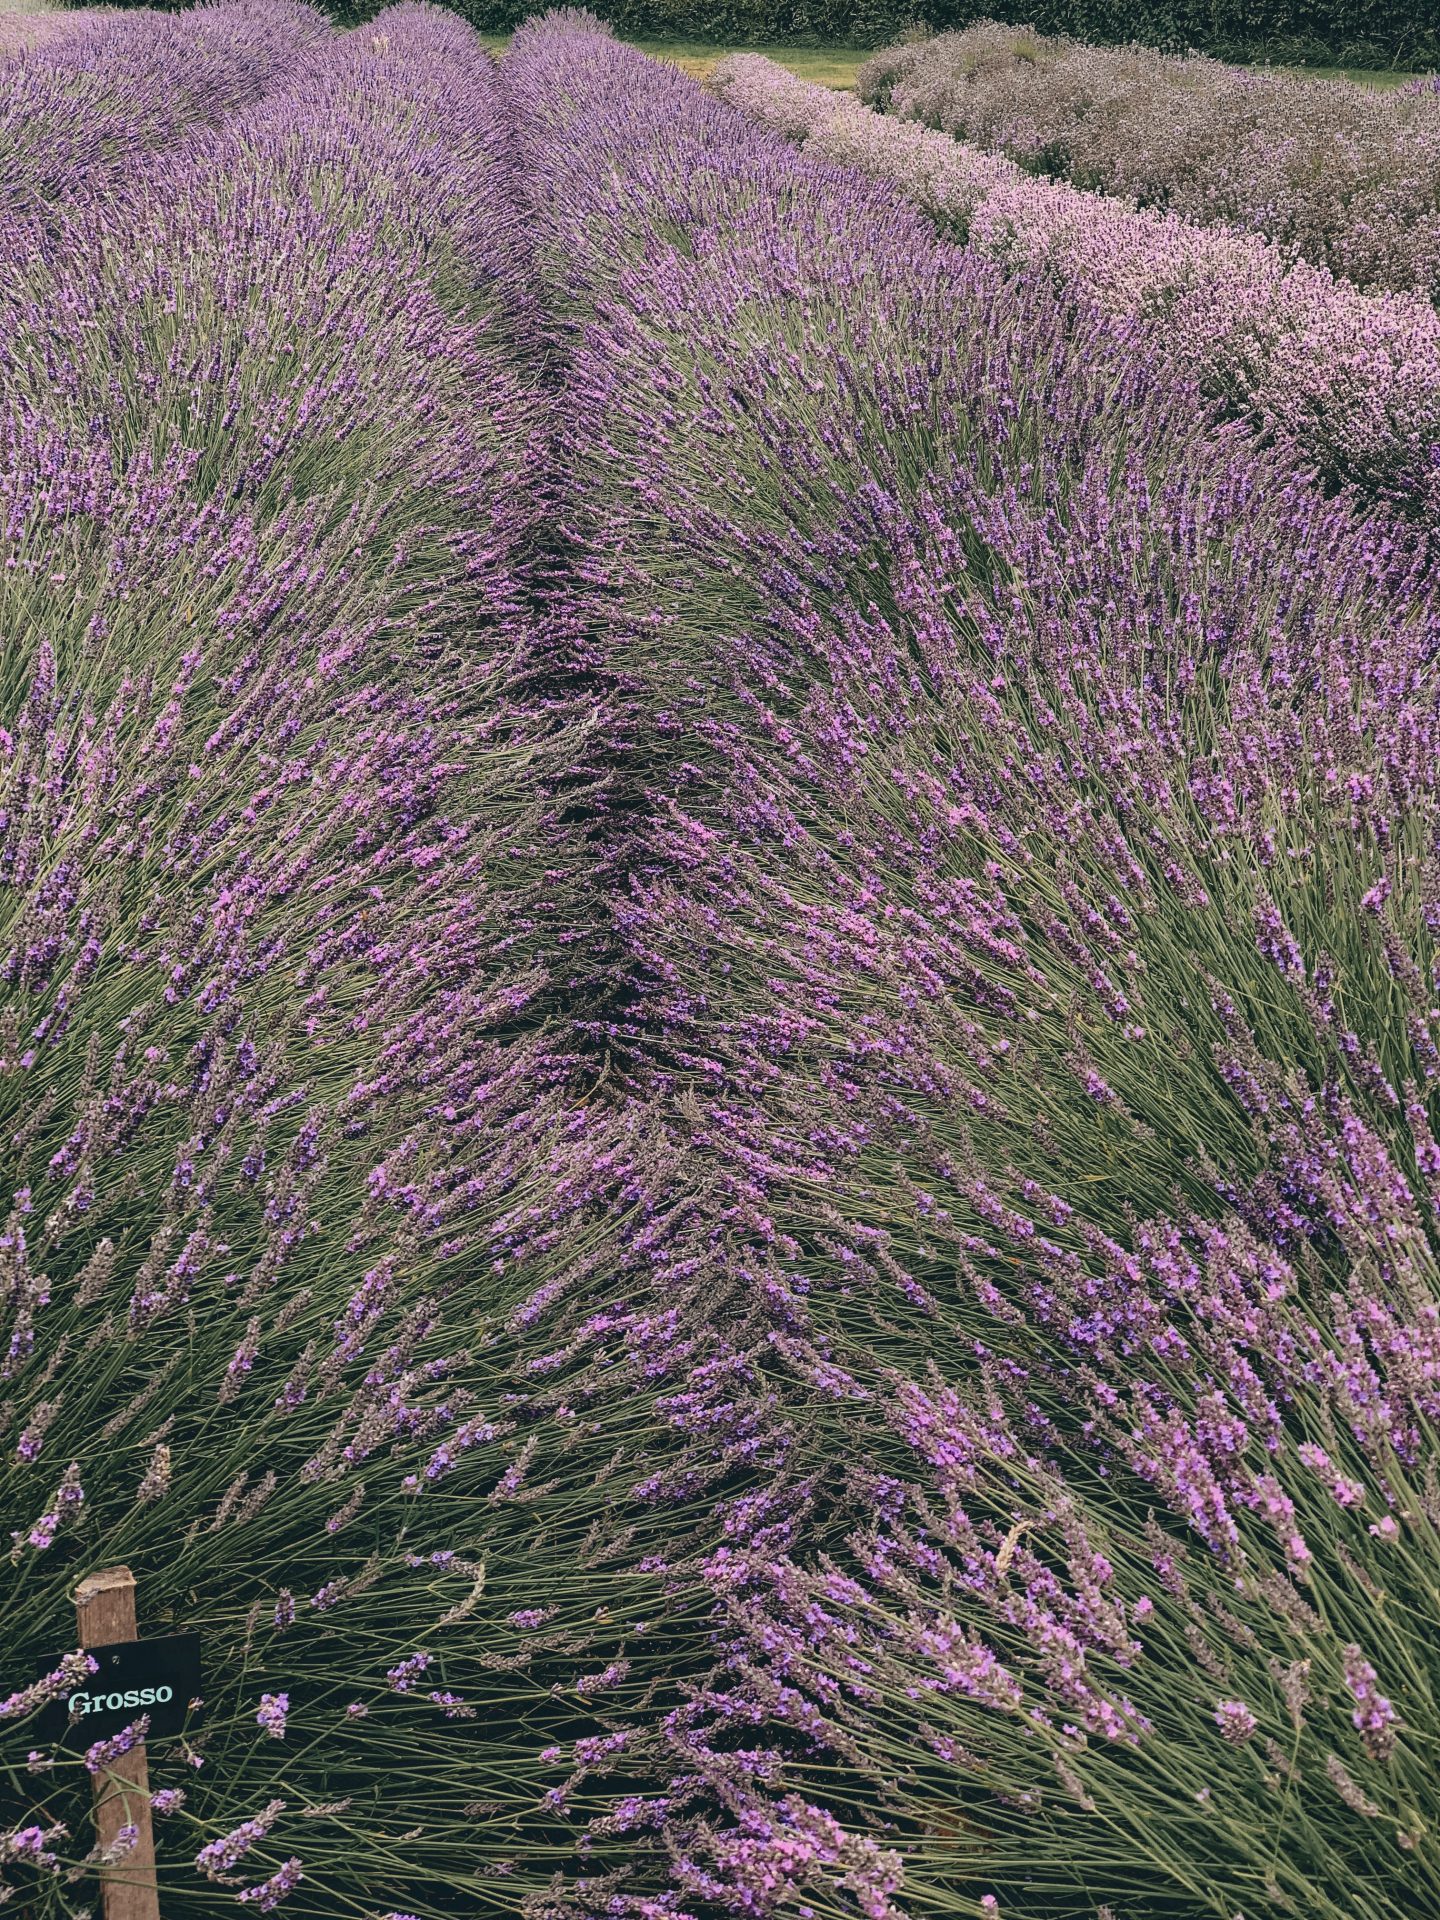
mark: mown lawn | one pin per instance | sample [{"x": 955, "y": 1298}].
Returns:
[
  {"x": 837, "y": 66},
  {"x": 831, "y": 66},
  {"x": 1385, "y": 77}
]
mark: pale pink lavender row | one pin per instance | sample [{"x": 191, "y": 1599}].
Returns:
[
  {"x": 81, "y": 107},
  {"x": 1352, "y": 379},
  {"x": 1338, "y": 173},
  {"x": 21, "y": 30}
]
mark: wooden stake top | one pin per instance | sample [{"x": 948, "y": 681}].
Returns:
[{"x": 105, "y": 1607}]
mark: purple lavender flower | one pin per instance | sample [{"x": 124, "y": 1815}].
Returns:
[
  {"x": 1374, "y": 1717},
  {"x": 99, "y": 1756},
  {"x": 32, "y": 1846},
  {"x": 72, "y": 1671},
  {"x": 403, "y": 1676},
  {"x": 217, "y": 1857},
  {"x": 268, "y": 1894}
]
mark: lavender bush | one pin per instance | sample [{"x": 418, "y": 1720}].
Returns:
[
  {"x": 83, "y": 106},
  {"x": 317, "y": 1243},
  {"x": 1034, "y": 904},
  {"x": 22, "y": 27},
  {"x": 1352, "y": 379},
  {"x": 1340, "y": 174}
]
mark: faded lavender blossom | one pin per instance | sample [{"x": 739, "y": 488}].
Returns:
[
  {"x": 156, "y": 1483},
  {"x": 453, "y": 1706},
  {"x": 272, "y": 1715},
  {"x": 116, "y": 1850},
  {"x": 1236, "y": 1722},
  {"x": 1354, "y": 1796}
]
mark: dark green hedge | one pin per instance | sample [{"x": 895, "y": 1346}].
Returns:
[
  {"x": 1341, "y": 33},
  {"x": 860, "y": 23},
  {"x": 1371, "y": 33}
]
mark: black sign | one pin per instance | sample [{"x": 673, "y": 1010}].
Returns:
[{"x": 155, "y": 1677}]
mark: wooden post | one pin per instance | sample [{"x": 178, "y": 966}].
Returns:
[{"x": 105, "y": 1611}]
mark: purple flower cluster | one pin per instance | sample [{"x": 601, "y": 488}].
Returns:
[
  {"x": 99, "y": 1756},
  {"x": 72, "y": 1671},
  {"x": 267, "y": 1894},
  {"x": 273, "y": 1714},
  {"x": 217, "y": 1857},
  {"x": 1344, "y": 175}
]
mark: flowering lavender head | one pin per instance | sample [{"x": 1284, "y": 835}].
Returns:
[
  {"x": 100, "y": 1755},
  {"x": 266, "y": 1895},
  {"x": 218, "y": 1856},
  {"x": 1374, "y": 1717}
]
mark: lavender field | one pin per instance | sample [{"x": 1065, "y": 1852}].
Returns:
[{"x": 720, "y": 1031}]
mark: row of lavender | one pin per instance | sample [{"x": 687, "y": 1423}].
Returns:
[
  {"x": 317, "y": 1242},
  {"x": 86, "y": 100},
  {"x": 1031, "y": 897},
  {"x": 1351, "y": 379},
  {"x": 1341, "y": 174}
]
